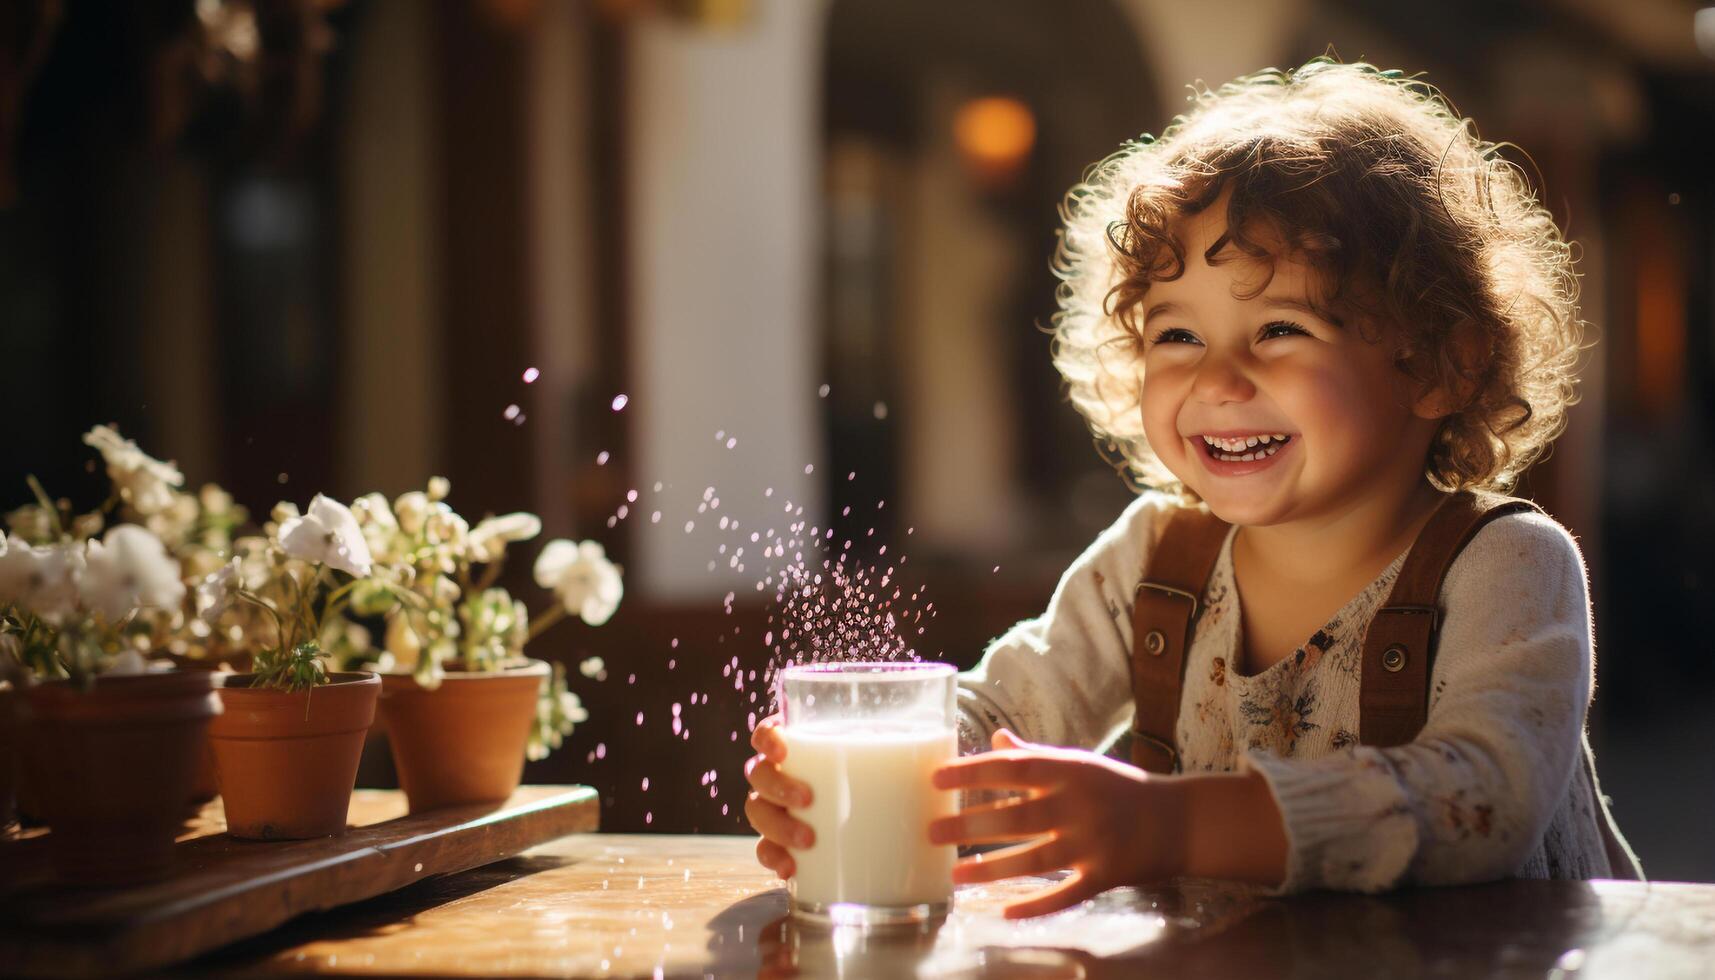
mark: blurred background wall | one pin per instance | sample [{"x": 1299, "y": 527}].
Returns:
[{"x": 309, "y": 246}]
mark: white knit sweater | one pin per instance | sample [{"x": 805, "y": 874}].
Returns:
[{"x": 1492, "y": 787}]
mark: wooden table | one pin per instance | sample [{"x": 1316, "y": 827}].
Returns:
[{"x": 657, "y": 905}]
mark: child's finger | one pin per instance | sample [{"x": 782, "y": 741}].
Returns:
[
  {"x": 1066, "y": 894},
  {"x": 1034, "y": 858},
  {"x": 989, "y": 823},
  {"x": 775, "y": 786},
  {"x": 775, "y": 824},
  {"x": 997, "y": 770},
  {"x": 766, "y": 739},
  {"x": 775, "y": 858}
]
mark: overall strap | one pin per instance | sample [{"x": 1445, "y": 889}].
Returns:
[
  {"x": 1399, "y": 647},
  {"x": 1168, "y": 602}
]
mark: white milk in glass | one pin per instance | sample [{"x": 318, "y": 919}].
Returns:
[{"x": 871, "y": 805}]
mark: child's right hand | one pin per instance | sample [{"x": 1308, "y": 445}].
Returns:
[{"x": 771, "y": 793}]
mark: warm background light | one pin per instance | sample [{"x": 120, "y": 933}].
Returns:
[{"x": 995, "y": 135}]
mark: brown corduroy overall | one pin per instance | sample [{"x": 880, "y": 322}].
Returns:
[{"x": 1398, "y": 651}]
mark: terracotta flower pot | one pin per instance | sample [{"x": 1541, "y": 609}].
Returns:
[
  {"x": 464, "y": 741},
  {"x": 287, "y": 761},
  {"x": 111, "y": 768},
  {"x": 8, "y": 757}
]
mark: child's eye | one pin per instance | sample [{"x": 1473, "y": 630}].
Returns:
[
  {"x": 1172, "y": 335},
  {"x": 1282, "y": 328}
]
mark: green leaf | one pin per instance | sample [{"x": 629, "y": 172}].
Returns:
[{"x": 299, "y": 670}]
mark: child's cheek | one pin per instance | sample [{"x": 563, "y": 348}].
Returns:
[{"x": 1160, "y": 407}]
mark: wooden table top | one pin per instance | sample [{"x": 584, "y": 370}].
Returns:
[{"x": 659, "y": 905}]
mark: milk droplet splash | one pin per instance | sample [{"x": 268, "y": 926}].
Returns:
[{"x": 823, "y": 593}]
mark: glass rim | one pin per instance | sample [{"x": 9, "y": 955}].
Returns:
[{"x": 868, "y": 671}]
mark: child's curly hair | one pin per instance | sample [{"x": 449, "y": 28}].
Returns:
[{"x": 1375, "y": 181}]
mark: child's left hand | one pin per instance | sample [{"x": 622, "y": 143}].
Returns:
[{"x": 1111, "y": 823}]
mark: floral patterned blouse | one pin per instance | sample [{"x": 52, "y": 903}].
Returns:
[{"x": 1495, "y": 785}]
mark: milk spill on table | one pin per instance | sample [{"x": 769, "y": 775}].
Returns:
[{"x": 871, "y": 805}]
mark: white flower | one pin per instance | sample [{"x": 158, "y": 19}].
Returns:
[
  {"x": 439, "y": 487},
  {"x": 328, "y": 535},
  {"x": 444, "y": 527},
  {"x": 593, "y": 667},
  {"x": 580, "y": 574},
  {"x": 214, "y": 499},
  {"x": 146, "y": 483},
  {"x": 127, "y": 570},
  {"x": 412, "y": 510},
  {"x": 488, "y": 540},
  {"x": 573, "y": 708},
  {"x": 215, "y": 592},
  {"x": 176, "y": 520},
  {"x": 42, "y": 580},
  {"x": 373, "y": 509}
]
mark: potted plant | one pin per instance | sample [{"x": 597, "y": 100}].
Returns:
[
  {"x": 195, "y": 527},
  {"x": 110, "y": 745},
  {"x": 287, "y": 746},
  {"x": 462, "y": 704}
]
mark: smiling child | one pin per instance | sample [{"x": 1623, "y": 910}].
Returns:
[{"x": 1327, "y": 327}]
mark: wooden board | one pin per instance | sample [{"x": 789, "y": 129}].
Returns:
[{"x": 226, "y": 889}]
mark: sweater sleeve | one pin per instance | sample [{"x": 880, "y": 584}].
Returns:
[
  {"x": 1064, "y": 678},
  {"x": 1469, "y": 799}
]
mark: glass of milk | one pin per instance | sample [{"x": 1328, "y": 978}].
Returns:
[{"x": 866, "y": 737}]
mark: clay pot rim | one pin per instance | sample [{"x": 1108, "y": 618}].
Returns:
[
  {"x": 167, "y": 678},
  {"x": 529, "y": 667},
  {"x": 242, "y": 682},
  {"x": 123, "y": 699}
]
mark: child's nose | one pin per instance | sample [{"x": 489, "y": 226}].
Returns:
[{"x": 1220, "y": 380}]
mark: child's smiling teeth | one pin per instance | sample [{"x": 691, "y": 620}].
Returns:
[{"x": 1240, "y": 450}]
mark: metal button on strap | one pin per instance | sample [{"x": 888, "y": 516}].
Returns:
[
  {"x": 1393, "y": 659},
  {"x": 1155, "y": 641}
]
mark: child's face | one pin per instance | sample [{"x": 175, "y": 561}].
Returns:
[{"x": 1223, "y": 366}]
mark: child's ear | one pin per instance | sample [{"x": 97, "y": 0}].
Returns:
[
  {"x": 1435, "y": 403},
  {"x": 1467, "y": 349}
]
